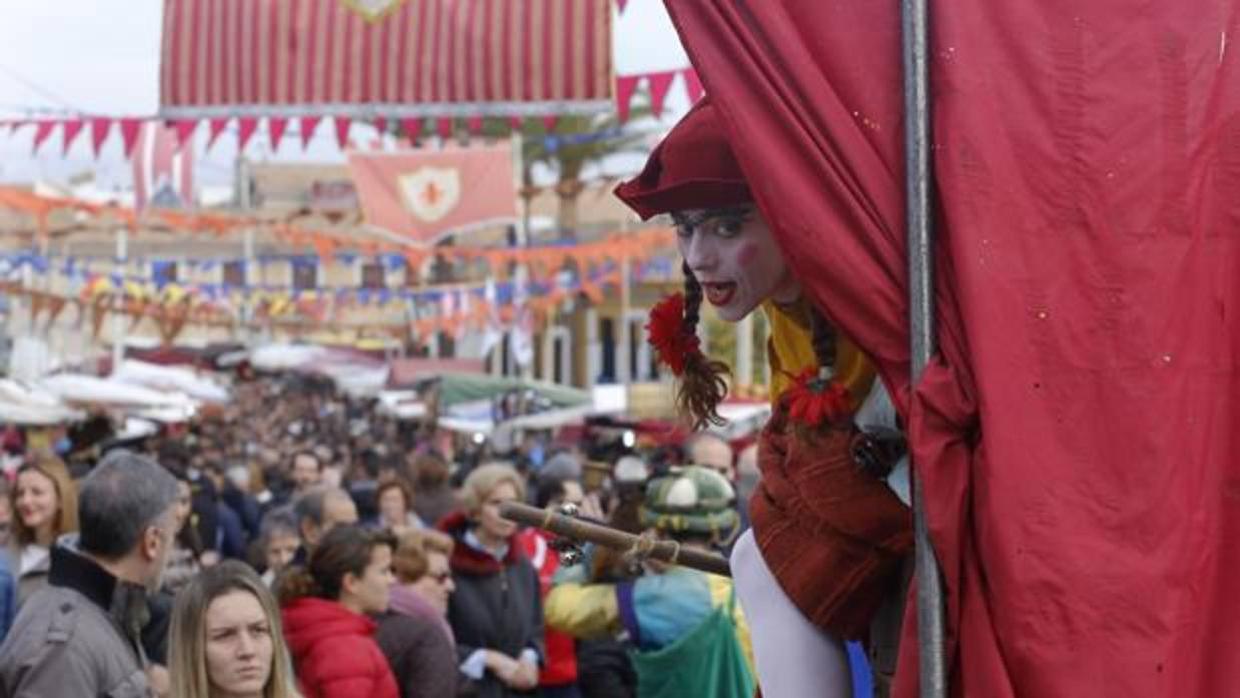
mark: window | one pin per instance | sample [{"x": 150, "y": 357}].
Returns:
[
  {"x": 305, "y": 275},
  {"x": 607, "y": 339},
  {"x": 642, "y": 363},
  {"x": 234, "y": 273},
  {"x": 163, "y": 273},
  {"x": 373, "y": 276},
  {"x": 442, "y": 271},
  {"x": 411, "y": 275},
  {"x": 447, "y": 345}
]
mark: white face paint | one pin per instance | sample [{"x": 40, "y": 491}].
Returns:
[{"x": 735, "y": 259}]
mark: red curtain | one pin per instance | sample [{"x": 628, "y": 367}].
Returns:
[{"x": 1077, "y": 433}]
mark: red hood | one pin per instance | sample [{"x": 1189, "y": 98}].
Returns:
[
  {"x": 308, "y": 620},
  {"x": 465, "y": 558}
]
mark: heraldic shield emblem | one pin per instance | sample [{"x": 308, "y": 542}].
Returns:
[
  {"x": 430, "y": 193},
  {"x": 372, "y": 10}
]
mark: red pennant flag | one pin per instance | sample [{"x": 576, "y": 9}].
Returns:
[
  {"x": 308, "y": 124},
  {"x": 659, "y": 84},
  {"x": 411, "y": 128},
  {"x": 474, "y": 124},
  {"x": 72, "y": 128},
  {"x": 275, "y": 131},
  {"x": 185, "y": 131},
  {"x": 444, "y": 127},
  {"x": 381, "y": 124},
  {"x": 626, "y": 86},
  {"x": 42, "y": 131},
  {"x": 342, "y": 131},
  {"x": 549, "y": 122},
  {"x": 129, "y": 134},
  {"x": 693, "y": 85},
  {"x": 621, "y": 4},
  {"x": 99, "y": 127},
  {"x": 515, "y": 122},
  {"x": 215, "y": 128},
  {"x": 247, "y": 126}
]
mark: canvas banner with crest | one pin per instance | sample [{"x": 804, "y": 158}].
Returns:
[{"x": 426, "y": 194}]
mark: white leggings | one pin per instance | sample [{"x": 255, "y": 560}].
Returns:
[{"x": 795, "y": 659}]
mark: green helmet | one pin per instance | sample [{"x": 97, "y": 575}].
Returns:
[{"x": 692, "y": 500}]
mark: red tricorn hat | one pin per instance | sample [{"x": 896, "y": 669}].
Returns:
[{"x": 693, "y": 168}]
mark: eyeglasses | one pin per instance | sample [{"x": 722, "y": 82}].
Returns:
[{"x": 442, "y": 577}]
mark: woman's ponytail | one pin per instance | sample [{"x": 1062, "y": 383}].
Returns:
[{"x": 296, "y": 583}]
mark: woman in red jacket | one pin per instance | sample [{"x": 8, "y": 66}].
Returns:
[{"x": 325, "y": 605}]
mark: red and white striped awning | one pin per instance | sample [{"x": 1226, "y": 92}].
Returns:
[{"x": 366, "y": 59}]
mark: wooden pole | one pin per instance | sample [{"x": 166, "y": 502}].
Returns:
[{"x": 576, "y": 529}]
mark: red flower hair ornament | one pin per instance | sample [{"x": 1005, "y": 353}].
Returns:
[
  {"x": 666, "y": 332},
  {"x": 815, "y": 397}
]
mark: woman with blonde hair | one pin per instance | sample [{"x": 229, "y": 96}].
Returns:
[
  {"x": 227, "y": 639},
  {"x": 500, "y": 652},
  {"x": 44, "y": 503}
]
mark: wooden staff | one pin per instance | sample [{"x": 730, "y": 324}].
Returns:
[{"x": 576, "y": 529}]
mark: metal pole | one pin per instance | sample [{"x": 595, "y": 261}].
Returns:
[
  {"x": 919, "y": 182},
  {"x": 624, "y": 355},
  {"x": 245, "y": 204},
  {"x": 520, "y": 275},
  {"x": 120, "y": 267}
]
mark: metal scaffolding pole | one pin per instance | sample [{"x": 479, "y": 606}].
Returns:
[{"x": 919, "y": 186}]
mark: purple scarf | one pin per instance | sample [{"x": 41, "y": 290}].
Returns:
[{"x": 403, "y": 599}]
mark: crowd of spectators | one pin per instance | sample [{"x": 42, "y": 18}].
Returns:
[{"x": 296, "y": 543}]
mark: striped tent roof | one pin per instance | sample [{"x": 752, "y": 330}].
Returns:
[{"x": 385, "y": 58}]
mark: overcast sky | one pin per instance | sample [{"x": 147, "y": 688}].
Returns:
[{"x": 102, "y": 57}]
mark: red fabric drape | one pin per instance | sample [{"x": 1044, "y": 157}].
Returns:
[
  {"x": 1076, "y": 436},
  {"x": 419, "y": 58}
]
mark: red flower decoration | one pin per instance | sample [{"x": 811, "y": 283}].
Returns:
[
  {"x": 813, "y": 399},
  {"x": 667, "y": 334}
]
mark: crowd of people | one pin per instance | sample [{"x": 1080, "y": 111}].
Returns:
[{"x": 295, "y": 542}]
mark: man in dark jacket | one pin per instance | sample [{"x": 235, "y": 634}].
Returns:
[{"x": 80, "y": 635}]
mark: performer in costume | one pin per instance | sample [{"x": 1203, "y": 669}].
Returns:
[
  {"x": 829, "y": 534},
  {"x": 691, "y": 637}
]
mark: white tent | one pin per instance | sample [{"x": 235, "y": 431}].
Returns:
[
  {"x": 172, "y": 378},
  {"x": 22, "y": 403},
  {"x": 75, "y": 388}
]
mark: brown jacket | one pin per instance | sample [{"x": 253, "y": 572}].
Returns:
[{"x": 833, "y": 536}]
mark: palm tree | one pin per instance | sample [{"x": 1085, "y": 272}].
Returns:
[{"x": 576, "y": 142}]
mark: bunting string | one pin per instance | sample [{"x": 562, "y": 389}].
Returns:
[{"x": 101, "y": 127}]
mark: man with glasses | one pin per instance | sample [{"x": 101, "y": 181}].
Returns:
[{"x": 81, "y": 635}]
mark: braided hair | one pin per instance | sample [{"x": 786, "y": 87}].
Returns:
[
  {"x": 703, "y": 385},
  {"x": 823, "y": 338}
]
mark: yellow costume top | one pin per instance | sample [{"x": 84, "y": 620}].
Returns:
[{"x": 790, "y": 350}]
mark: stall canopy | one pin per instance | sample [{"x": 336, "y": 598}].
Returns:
[
  {"x": 389, "y": 59},
  {"x": 460, "y": 388},
  {"x": 407, "y": 372},
  {"x": 1077, "y": 434}
]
